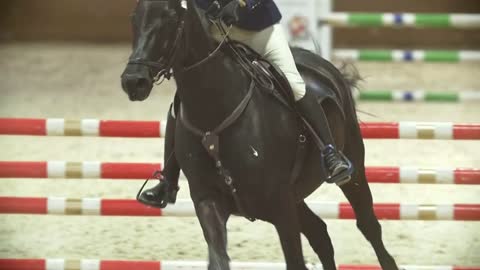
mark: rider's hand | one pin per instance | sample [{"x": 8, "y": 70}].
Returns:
[
  {"x": 227, "y": 13},
  {"x": 213, "y": 10}
]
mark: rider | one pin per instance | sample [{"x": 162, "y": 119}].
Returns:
[{"x": 256, "y": 24}]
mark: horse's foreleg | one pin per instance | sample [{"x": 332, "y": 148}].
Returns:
[
  {"x": 316, "y": 232},
  {"x": 360, "y": 197},
  {"x": 213, "y": 219},
  {"x": 287, "y": 224}
]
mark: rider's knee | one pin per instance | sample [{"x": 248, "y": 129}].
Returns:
[{"x": 299, "y": 89}]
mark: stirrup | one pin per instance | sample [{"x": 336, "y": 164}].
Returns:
[
  {"x": 344, "y": 177},
  {"x": 153, "y": 204},
  {"x": 171, "y": 198}
]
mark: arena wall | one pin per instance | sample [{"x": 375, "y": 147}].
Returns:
[{"x": 107, "y": 21}]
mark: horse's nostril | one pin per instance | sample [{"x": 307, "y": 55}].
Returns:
[
  {"x": 142, "y": 83},
  {"x": 137, "y": 87}
]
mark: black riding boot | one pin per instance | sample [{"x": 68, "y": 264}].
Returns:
[
  {"x": 339, "y": 167},
  {"x": 165, "y": 192}
]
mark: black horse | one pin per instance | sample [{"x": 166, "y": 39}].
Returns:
[{"x": 258, "y": 150}]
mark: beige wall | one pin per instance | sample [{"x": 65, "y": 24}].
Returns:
[
  {"x": 107, "y": 21},
  {"x": 79, "y": 20}
]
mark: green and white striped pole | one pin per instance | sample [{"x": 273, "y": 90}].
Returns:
[
  {"x": 402, "y": 20},
  {"x": 417, "y": 96},
  {"x": 406, "y": 55}
]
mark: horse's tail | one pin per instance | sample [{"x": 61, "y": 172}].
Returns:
[
  {"x": 351, "y": 78},
  {"x": 350, "y": 74}
]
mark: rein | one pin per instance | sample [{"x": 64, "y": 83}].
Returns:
[
  {"x": 165, "y": 67},
  {"x": 212, "y": 54}
]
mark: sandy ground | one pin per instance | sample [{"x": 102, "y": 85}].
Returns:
[{"x": 82, "y": 81}]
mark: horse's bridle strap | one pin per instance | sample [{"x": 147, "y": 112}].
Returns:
[{"x": 164, "y": 67}]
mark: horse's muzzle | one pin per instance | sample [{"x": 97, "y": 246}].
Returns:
[{"x": 137, "y": 87}]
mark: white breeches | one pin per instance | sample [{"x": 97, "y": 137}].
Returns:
[{"x": 272, "y": 44}]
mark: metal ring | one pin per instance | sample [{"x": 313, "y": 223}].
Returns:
[{"x": 302, "y": 138}]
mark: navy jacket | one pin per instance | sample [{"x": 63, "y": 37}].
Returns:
[{"x": 256, "y": 16}]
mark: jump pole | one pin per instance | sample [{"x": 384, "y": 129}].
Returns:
[{"x": 96, "y": 264}]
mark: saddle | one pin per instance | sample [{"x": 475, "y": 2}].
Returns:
[
  {"x": 267, "y": 76},
  {"x": 274, "y": 82}
]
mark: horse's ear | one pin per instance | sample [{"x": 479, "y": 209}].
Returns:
[{"x": 175, "y": 5}]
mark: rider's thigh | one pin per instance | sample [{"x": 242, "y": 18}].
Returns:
[{"x": 273, "y": 45}]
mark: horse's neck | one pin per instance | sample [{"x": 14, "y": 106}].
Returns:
[
  {"x": 198, "y": 42},
  {"x": 211, "y": 92}
]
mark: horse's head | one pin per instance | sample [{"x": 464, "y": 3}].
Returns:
[{"x": 155, "y": 32}]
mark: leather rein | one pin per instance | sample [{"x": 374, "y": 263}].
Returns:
[{"x": 165, "y": 64}]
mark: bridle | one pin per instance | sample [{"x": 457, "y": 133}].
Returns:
[{"x": 165, "y": 64}]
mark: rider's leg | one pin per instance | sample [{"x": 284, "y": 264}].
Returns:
[
  {"x": 315, "y": 115},
  {"x": 273, "y": 45},
  {"x": 166, "y": 191}
]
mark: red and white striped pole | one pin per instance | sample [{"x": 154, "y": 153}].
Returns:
[
  {"x": 184, "y": 208},
  {"x": 92, "y": 264},
  {"x": 156, "y": 129},
  {"x": 109, "y": 170}
]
